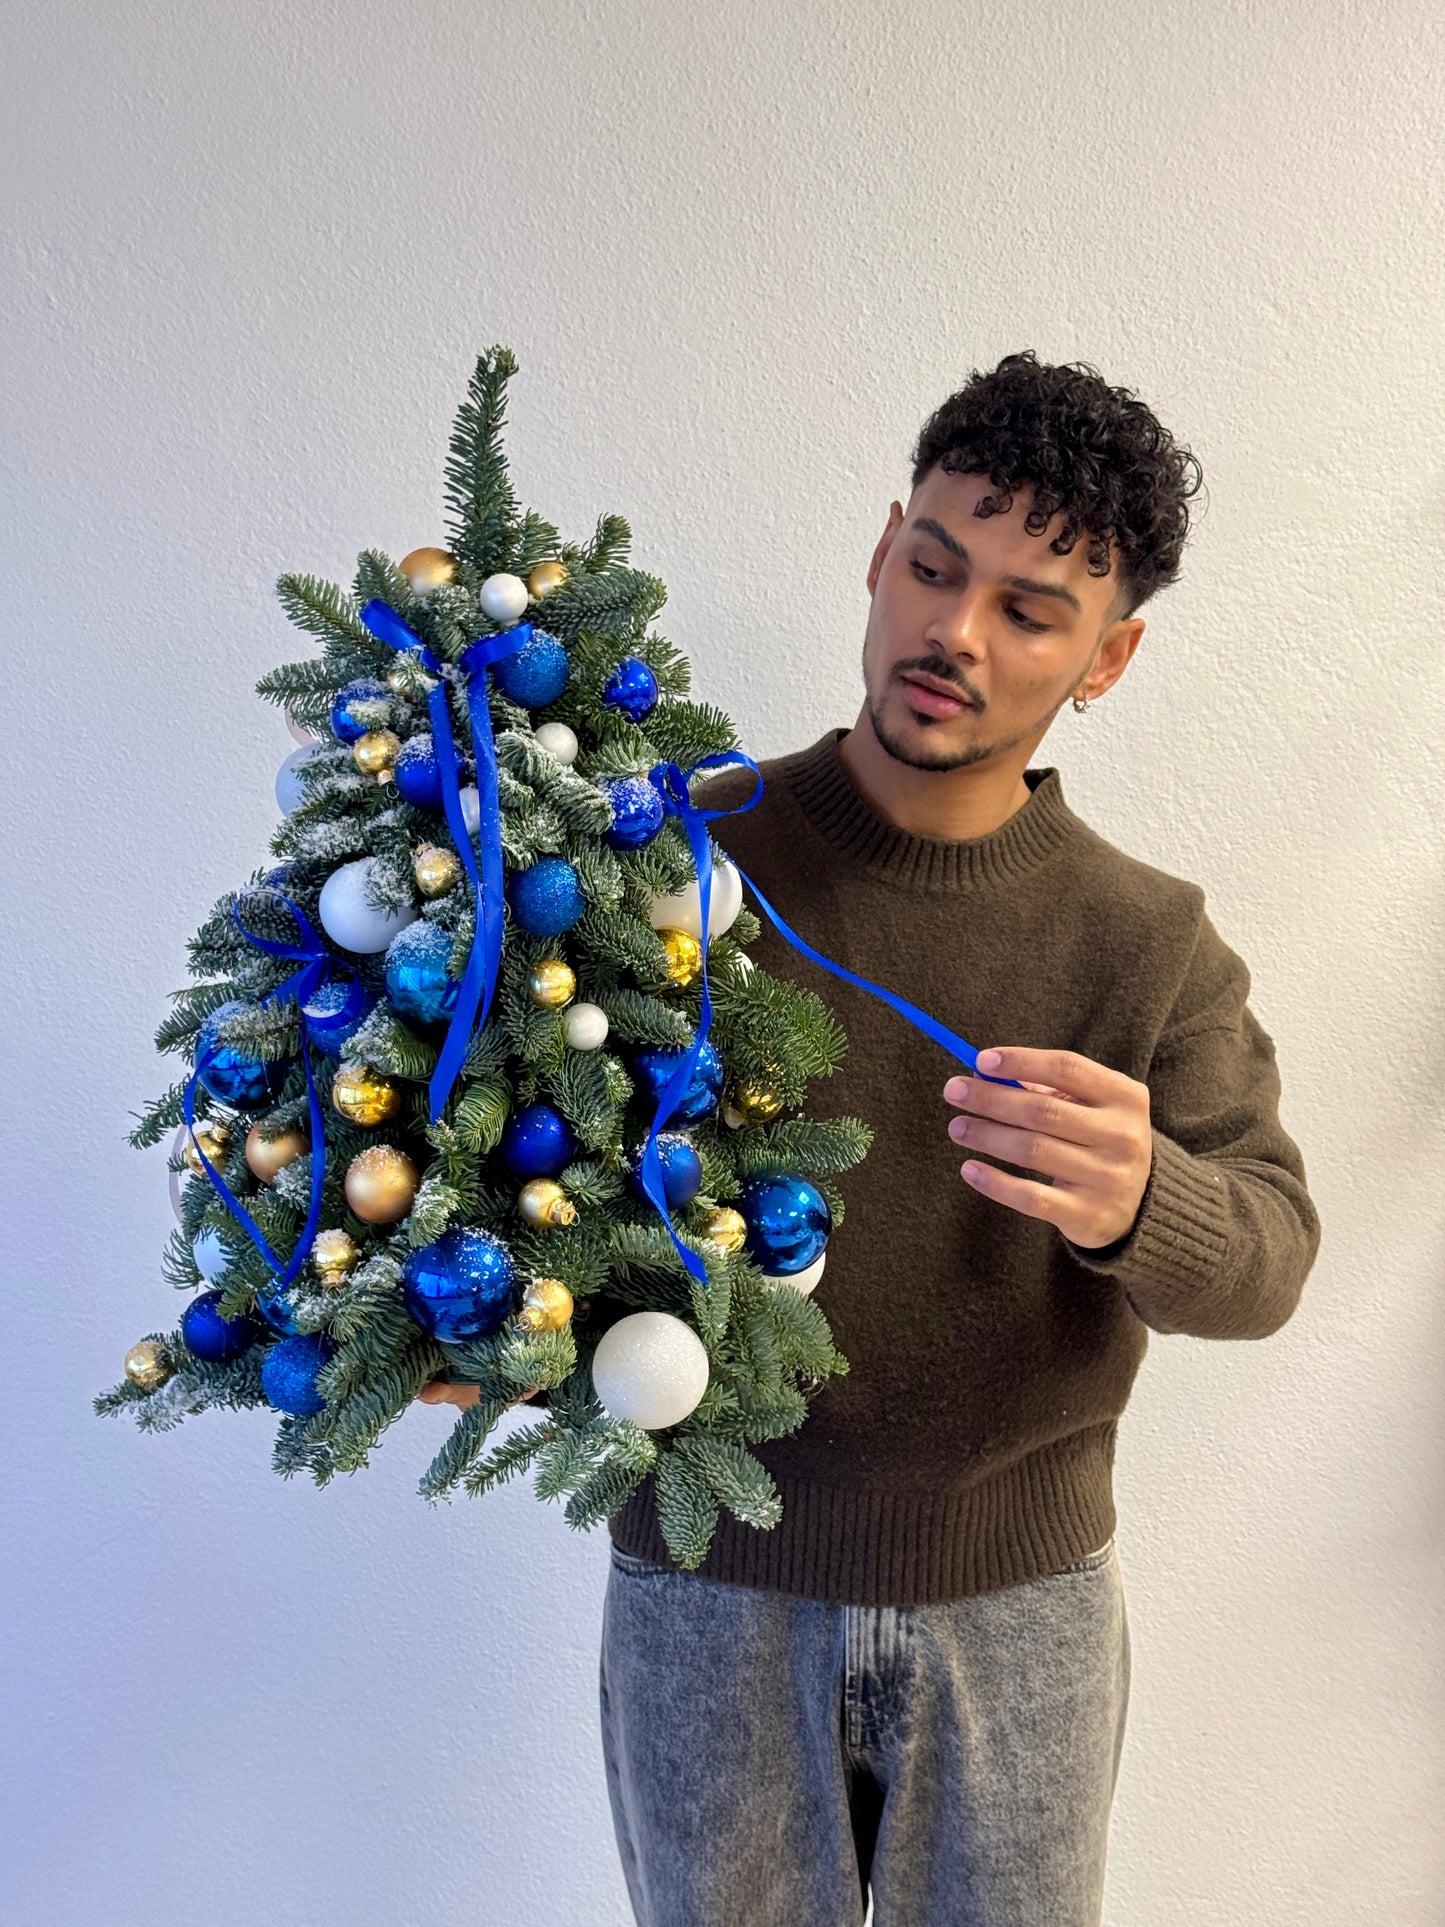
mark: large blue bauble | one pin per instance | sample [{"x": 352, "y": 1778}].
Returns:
[
  {"x": 536, "y": 1142},
  {"x": 637, "y": 811},
  {"x": 336, "y": 1013},
  {"x": 213, "y": 1338},
  {"x": 248, "y": 1083},
  {"x": 536, "y": 673},
  {"x": 416, "y": 973},
  {"x": 681, "y": 1169},
  {"x": 632, "y": 688},
  {"x": 700, "y": 1094},
  {"x": 349, "y": 709},
  {"x": 274, "y": 1309},
  {"x": 289, "y": 1372},
  {"x": 788, "y": 1222},
  {"x": 461, "y": 1287},
  {"x": 547, "y": 898},
  {"x": 416, "y": 774}
]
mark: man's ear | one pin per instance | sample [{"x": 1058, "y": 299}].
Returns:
[{"x": 895, "y": 523}]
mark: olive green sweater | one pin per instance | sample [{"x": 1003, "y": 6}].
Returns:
[{"x": 971, "y": 1443}]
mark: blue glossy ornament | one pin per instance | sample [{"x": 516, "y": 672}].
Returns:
[
  {"x": 354, "y": 710},
  {"x": 535, "y": 674},
  {"x": 637, "y": 812},
  {"x": 275, "y": 1310},
  {"x": 536, "y": 1142},
  {"x": 416, "y": 773},
  {"x": 336, "y": 1013},
  {"x": 632, "y": 688},
  {"x": 788, "y": 1222},
  {"x": 656, "y": 1067},
  {"x": 278, "y": 877},
  {"x": 290, "y": 1370},
  {"x": 210, "y": 1336},
  {"x": 461, "y": 1287},
  {"x": 416, "y": 973},
  {"x": 547, "y": 898},
  {"x": 231, "y": 1077},
  {"x": 681, "y": 1169}
]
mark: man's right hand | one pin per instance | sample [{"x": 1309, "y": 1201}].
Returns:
[{"x": 437, "y": 1392}]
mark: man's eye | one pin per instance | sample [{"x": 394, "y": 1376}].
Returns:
[
  {"x": 929, "y": 575},
  {"x": 932, "y": 575}
]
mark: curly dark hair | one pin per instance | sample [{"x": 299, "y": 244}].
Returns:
[{"x": 1093, "y": 451}]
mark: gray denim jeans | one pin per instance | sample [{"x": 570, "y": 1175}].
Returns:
[{"x": 770, "y": 1758}]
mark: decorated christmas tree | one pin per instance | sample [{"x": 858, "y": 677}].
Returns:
[{"x": 482, "y": 1083}]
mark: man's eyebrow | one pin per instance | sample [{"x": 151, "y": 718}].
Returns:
[{"x": 1026, "y": 584}]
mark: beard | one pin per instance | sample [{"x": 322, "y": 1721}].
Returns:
[{"x": 903, "y": 745}]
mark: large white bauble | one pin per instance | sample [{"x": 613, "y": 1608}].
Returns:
[
  {"x": 349, "y": 919},
  {"x": 212, "y": 1258},
  {"x": 651, "y": 1368},
  {"x": 470, "y": 799},
  {"x": 803, "y": 1280},
  {"x": 559, "y": 741},
  {"x": 584, "y": 1026},
  {"x": 683, "y": 910},
  {"x": 288, "y": 778},
  {"x": 503, "y": 597}
]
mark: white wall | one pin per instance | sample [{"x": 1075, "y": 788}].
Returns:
[{"x": 251, "y": 251}]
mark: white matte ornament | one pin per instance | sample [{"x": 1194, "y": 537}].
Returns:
[
  {"x": 803, "y": 1280},
  {"x": 350, "y": 919},
  {"x": 584, "y": 1026},
  {"x": 503, "y": 597},
  {"x": 650, "y": 1368},
  {"x": 212, "y": 1258},
  {"x": 288, "y": 779},
  {"x": 470, "y": 799},
  {"x": 559, "y": 741},
  {"x": 683, "y": 910}
]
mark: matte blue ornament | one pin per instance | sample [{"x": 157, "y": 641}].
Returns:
[
  {"x": 632, "y": 688},
  {"x": 275, "y": 1310},
  {"x": 700, "y": 1094},
  {"x": 416, "y": 773},
  {"x": 461, "y": 1287},
  {"x": 637, "y": 812},
  {"x": 336, "y": 1013},
  {"x": 788, "y": 1222},
  {"x": 681, "y": 1169},
  {"x": 536, "y": 1142},
  {"x": 535, "y": 674},
  {"x": 349, "y": 709},
  {"x": 231, "y": 1077},
  {"x": 290, "y": 1370},
  {"x": 213, "y": 1338},
  {"x": 547, "y": 898},
  {"x": 416, "y": 973}
]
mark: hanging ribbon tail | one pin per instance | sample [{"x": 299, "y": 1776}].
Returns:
[{"x": 227, "y": 1196}]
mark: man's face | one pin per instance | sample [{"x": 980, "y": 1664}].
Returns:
[{"x": 944, "y": 612}]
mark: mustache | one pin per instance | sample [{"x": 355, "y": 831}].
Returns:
[{"x": 939, "y": 674}]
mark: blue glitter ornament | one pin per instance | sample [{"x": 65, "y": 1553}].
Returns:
[
  {"x": 632, "y": 688},
  {"x": 336, "y": 1013},
  {"x": 535, "y": 674},
  {"x": 362, "y": 705},
  {"x": 681, "y": 1169},
  {"x": 637, "y": 811},
  {"x": 461, "y": 1287},
  {"x": 547, "y": 898},
  {"x": 416, "y": 973},
  {"x": 416, "y": 774},
  {"x": 788, "y": 1222},
  {"x": 210, "y": 1336},
  {"x": 275, "y": 1310},
  {"x": 231, "y": 1077},
  {"x": 290, "y": 1370},
  {"x": 536, "y": 1142},
  {"x": 656, "y": 1067}
]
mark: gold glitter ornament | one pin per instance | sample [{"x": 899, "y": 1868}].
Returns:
[
  {"x": 684, "y": 955},
  {"x": 427, "y": 569},
  {"x": 725, "y": 1227},
  {"x": 435, "y": 869},
  {"x": 381, "y": 1184},
  {"x": 544, "y": 1203},
  {"x": 546, "y": 1306},
  {"x": 755, "y": 1102},
  {"x": 546, "y": 578},
  {"x": 149, "y": 1364},
  {"x": 334, "y": 1254},
  {"x": 376, "y": 752},
  {"x": 214, "y": 1138},
  {"x": 552, "y": 983},
  {"x": 364, "y": 1096},
  {"x": 267, "y": 1156}
]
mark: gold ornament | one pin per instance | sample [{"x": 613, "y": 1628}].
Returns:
[
  {"x": 684, "y": 955},
  {"x": 214, "y": 1138},
  {"x": 544, "y": 1203},
  {"x": 381, "y": 1184},
  {"x": 546, "y": 578},
  {"x": 149, "y": 1364},
  {"x": 334, "y": 1254},
  {"x": 435, "y": 869},
  {"x": 267, "y": 1156},
  {"x": 755, "y": 1102},
  {"x": 725, "y": 1227},
  {"x": 364, "y": 1096},
  {"x": 552, "y": 983},
  {"x": 427, "y": 569},
  {"x": 546, "y": 1306},
  {"x": 376, "y": 752},
  {"x": 406, "y": 678}
]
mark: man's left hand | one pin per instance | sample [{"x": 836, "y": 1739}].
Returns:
[{"x": 1077, "y": 1122}]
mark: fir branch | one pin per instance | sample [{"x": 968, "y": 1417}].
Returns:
[{"x": 481, "y": 506}]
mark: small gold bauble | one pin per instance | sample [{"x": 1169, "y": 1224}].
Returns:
[
  {"x": 552, "y": 983},
  {"x": 544, "y": 1203},
  {"x": 214, "y": 1138},
  {"x": 546, "y": 1306},
  {"x": 546, "y": 578},
  {"x": 267, "y": 1156},
  {"x": 427, "y": 569},
  {"x": 334, "y": 1254},
  {"x": 755, "y": 1102},
  {"x": 376, "y": 751},
  {"x": 725, "y": 1227},
  {"x": 406, "y": 678},
  {"x": 364, "y": 1096},
  {"x": 684, "y": 955},
  {"x": 436, "y": 870},
  {"x": 381, "y": 1184},
  {"x": 149, "y": 1364}
]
